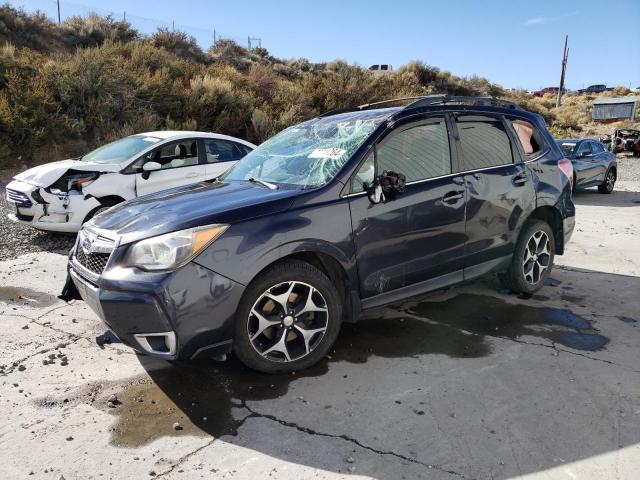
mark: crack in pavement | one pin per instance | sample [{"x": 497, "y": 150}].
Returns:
[
  {"x": 557, "y": 349},
  {"x": 310, "y": 431},
  {"x": 187, "y": 456},
  {"x": 534, "y": 344}
]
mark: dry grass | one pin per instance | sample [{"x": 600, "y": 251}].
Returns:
[{"x": 94, "y": 79}]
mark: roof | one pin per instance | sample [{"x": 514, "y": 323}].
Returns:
[
  {"x": 438, "y": 100},
  {"x": 576, "y": 140},
  {"x": 608, "y": 101},
  {"x": 166, "y": 134}
]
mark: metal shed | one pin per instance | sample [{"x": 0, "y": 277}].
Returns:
[{"x": 614, "y": 108}]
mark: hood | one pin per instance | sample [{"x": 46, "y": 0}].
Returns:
[
  {"x": 190, "y": 206},
  {"x": 45, "y": 175}
]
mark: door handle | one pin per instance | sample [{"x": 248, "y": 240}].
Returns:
[
  {"x": 520, "y": 179},
  {"x": 191, "y": 175},
  {"x": 453, "y": 196}
]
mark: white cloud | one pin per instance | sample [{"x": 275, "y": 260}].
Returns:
[{"x": 543, "y": 20}]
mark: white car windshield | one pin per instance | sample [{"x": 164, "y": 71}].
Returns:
[
  {"x": 120, "y": 150},
  {"x": 309, "y": 154}
]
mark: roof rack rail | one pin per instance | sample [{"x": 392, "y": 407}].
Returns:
[
  {"x": 426, "y": 100},
  {"x": 442, "y": 99}
]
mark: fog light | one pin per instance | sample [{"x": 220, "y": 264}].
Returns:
[{"x": 158, "y": 343}]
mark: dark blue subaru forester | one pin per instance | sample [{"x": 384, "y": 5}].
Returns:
[{"x": 345, "y": 212}]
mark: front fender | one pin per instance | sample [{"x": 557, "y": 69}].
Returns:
[{"x": 247, "y": 248}]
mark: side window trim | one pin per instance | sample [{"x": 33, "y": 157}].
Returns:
[{"x": 202, "y": 156}]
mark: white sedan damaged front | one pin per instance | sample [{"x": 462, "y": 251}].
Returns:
[{"x": 61, "y": 206}]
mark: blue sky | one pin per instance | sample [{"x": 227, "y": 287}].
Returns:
[{"x": 513, "y": 43}]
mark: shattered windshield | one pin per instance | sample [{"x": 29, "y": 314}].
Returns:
[
  {"x": 567, "y": 147},
  {"x": 120, "y": 150},
  {"x": 309, "y": 154}
]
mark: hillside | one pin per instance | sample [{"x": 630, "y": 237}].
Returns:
[{"x": 66, "y": 88}]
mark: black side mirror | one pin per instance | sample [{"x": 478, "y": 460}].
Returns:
[{"x": 387, "y": 186}]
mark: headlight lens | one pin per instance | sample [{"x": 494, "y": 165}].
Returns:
[{"x": 172, "y": 250}]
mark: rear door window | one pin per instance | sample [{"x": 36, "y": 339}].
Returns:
[
  {"x": 217, "y": 150},
  {"x": 584, "y": 148},
  {"x": 484, "y": 142}
]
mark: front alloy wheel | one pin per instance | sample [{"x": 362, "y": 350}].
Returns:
[
  {"x": 288, "y": 318},
  {"x": 288, "y": 321}
]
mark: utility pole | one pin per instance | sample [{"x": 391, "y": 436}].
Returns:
[
  {"x": 124, "y": 16},
  {"x": 565, "y": 56},
  {"x": 58, "y": 12},
  {"x": 214, "y": 37}
]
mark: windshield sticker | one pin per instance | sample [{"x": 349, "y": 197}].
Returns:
[
  {"x": 332, "y": 153},
  {"x": 151, "y": 139},
  {"x": 568, "y": 144}
]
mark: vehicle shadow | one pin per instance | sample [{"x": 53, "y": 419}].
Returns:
[
  {"x": 220, "y": 400},
  {"x": 591, "y": 197}
]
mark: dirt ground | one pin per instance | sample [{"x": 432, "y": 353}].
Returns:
[{"x": 471, "y": 383}]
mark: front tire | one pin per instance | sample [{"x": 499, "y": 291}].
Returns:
[
  {"x": 288, "y": 319},
  {"x": 104, "y": 206},
  {"x": 532, "y": 259},
  {"x": 609, "y": 182}
]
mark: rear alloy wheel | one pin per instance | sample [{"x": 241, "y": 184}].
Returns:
[
  {"x": 536, "y": 257},
  {"x": 609, "y": 182},
  {"x": 532, "y": 259},
  {"x": 288, "y": 319}
]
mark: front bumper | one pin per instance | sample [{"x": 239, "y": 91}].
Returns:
[
  {"x": 177, "y": 315},
  {"x": 60, "y": 213}
]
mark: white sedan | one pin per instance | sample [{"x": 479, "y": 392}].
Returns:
[{"x": 61, "y": 196}]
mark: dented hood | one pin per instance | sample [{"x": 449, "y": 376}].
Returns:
[
  {"x": 45, "y": 175},
  {"x": 191, "y": 206}
]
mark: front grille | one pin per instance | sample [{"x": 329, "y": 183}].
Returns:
[
  {"x": 19, "y": 198},
  {"x": 94, "y": 262}
]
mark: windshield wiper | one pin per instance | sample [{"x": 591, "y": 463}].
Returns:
[{"x": 270, "y": 186}]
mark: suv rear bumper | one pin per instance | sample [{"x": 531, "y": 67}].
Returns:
[{"x": 176, "y": 315}]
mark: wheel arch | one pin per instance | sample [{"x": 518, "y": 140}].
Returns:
[
  {"x": 552, "y": 216},
  {"x": 110, "y": 199},
  {"x": 335, "y": 270}
]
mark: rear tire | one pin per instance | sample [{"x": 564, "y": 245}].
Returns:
[
  {"x": 532, "y": 259},
  {"x": 288, "y": 319},
  {"x": 609, "y": 182}
]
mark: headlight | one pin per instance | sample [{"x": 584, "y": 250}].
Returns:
[
  {"x": 76, "y": 182},
  {"x": 172, "y": 250}
]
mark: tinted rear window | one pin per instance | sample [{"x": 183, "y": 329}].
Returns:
[{"x": 484, "y": 142}]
